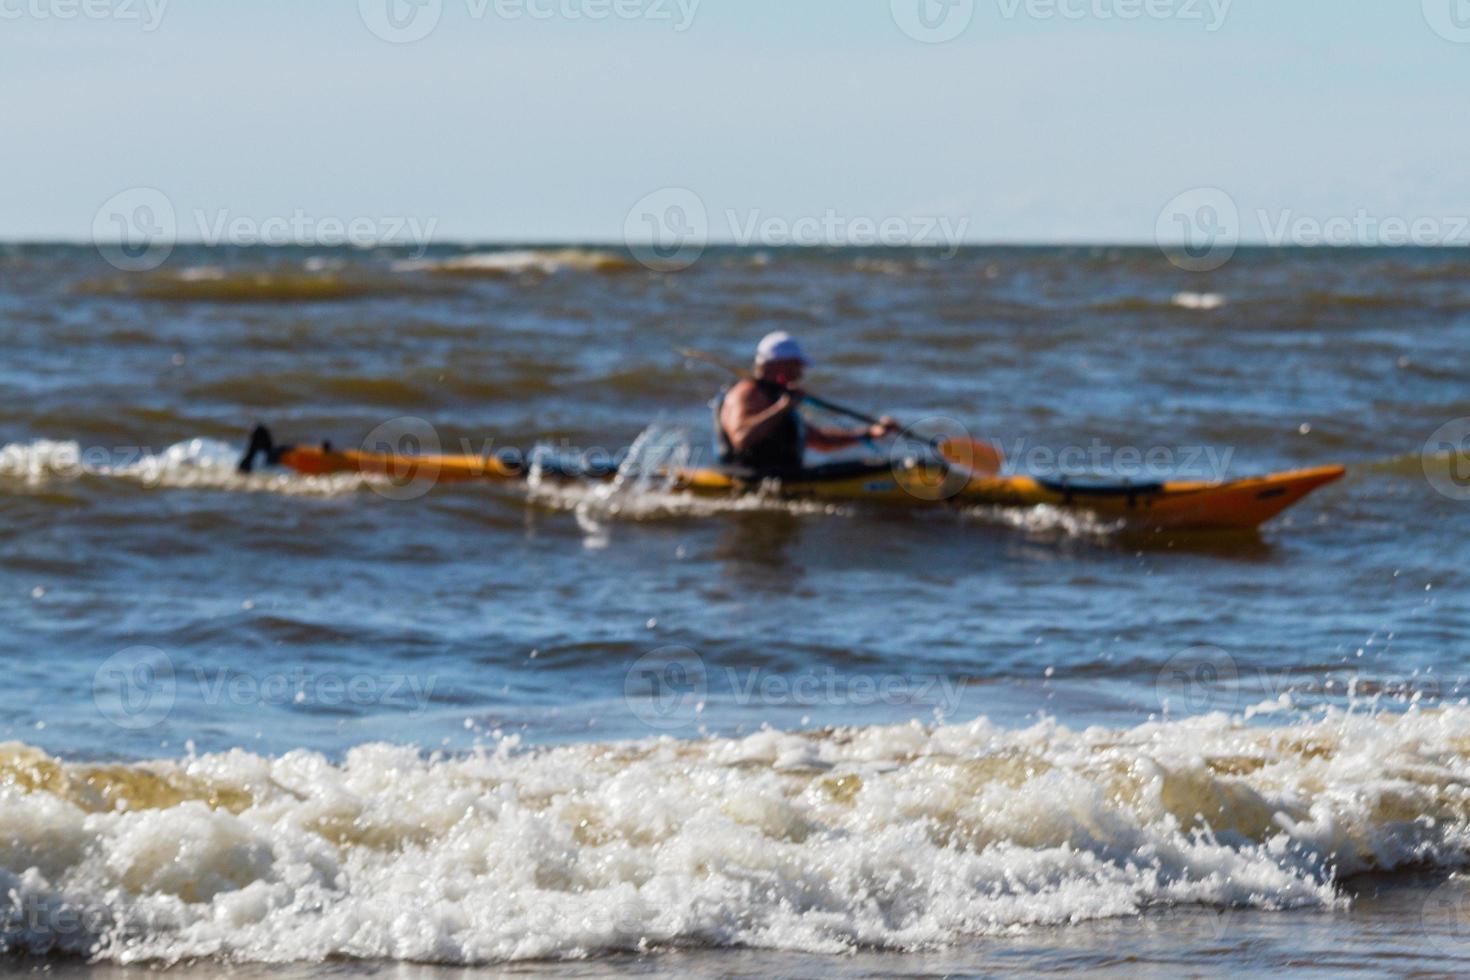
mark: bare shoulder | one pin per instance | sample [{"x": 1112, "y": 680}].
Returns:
[{"x": 749, "y": 396}]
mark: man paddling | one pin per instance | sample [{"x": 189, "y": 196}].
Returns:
[{"x": 757, "y": 423}]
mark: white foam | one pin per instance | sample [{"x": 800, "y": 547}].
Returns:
[
  {"x": 900, "y": 838},
  {"x": 644, "y": 488},
  {"x": 1198, "y": 301},
  {"x": 192, "y": 464},
  {"x": 520, "y": 261},
  {"x": 595, "y": 505},
  {"x": 1044, "y": 519}
]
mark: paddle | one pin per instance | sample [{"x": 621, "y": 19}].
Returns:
[{"x": 972, "y": 454}]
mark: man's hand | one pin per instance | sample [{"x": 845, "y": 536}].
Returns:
[{"x": 886, "y": 426}]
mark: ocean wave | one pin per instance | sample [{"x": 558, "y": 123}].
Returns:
[
  {"x": 192, "y": 464},
  {"x": 1203, "y": 302},
  {"x": 898, "y": 838},
  {"x": 888, "y": 267},
  {"x": 1198, "y": 301},
  {"x": 1443, "y": 464},
  {"x": 318, "y": 282},
  {"x": 1045, "y": 520},
  {"x": 520, "y": 262}
]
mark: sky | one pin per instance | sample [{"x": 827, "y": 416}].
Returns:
[{"x": 584, "y": 120}]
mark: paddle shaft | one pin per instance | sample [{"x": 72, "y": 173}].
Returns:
[{"x": 822, "y": 403}]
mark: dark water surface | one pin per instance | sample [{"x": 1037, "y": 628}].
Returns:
[{"x": 634, "y": 721}]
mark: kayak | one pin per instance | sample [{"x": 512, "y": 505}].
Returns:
[
  {"x": 1179, "y": 504},
  {"x": 1182, "y": 504}
]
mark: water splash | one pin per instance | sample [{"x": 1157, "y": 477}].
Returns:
[{"x": 191, "y": 464}]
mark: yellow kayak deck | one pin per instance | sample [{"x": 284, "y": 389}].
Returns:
[{"x": 1233, "y": 504}]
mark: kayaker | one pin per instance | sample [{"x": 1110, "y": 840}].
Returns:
[{"x": 757, "y": 423}]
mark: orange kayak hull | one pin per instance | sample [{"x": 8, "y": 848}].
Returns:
[{"x": 1187, "y": 504}]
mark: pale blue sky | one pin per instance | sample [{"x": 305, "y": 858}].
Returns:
[{"x": 1026, "y": 128}]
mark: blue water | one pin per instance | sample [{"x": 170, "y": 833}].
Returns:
[{"x": 160, "y": 607}]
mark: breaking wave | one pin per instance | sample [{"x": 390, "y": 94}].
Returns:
[
  {"x": 520, "y": 262},
  {"x": 192, "y": 464},
  {"x": 900, "y": 838}
]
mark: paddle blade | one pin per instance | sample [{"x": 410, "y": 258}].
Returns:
[{"x": 972, "y": 454}]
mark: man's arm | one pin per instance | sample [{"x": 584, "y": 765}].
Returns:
[{"x": 824, "y": 439}]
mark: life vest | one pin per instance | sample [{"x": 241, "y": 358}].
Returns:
[{"x": 781, "y": 451}]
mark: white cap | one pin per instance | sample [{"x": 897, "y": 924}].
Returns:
[{"x": 779, "y": 346}]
